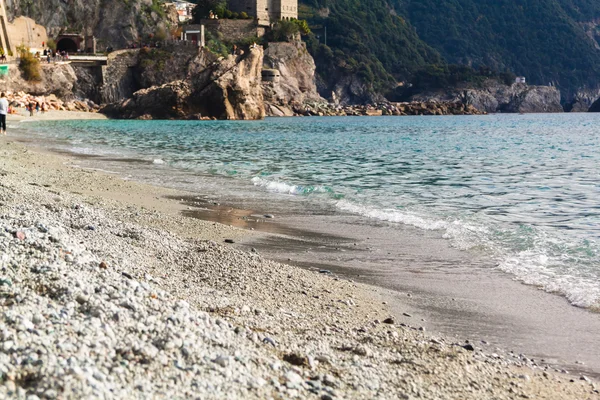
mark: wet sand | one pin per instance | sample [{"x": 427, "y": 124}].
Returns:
[{"x": 444, "y": 289}]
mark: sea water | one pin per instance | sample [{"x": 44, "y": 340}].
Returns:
[{"x": 522, "y": 189}]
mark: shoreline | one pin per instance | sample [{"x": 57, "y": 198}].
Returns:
[{"x": 355, "y": 306}]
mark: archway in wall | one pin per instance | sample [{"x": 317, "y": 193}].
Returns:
[{"x": 67, "y": 45}]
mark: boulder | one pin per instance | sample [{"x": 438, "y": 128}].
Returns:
[
  {"x": 289, "y": 77},
  {"x": 228, "y": 88}
]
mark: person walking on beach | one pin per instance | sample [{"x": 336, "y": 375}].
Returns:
[{"x": 3, "y": 112}]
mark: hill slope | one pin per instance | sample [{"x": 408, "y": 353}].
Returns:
[
  {"x": 369, "y": 47},
  {"x": 548, "y": 41},
  {"x": 544, "y": 40}
]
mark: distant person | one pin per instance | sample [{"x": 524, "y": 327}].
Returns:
[
  {"x": 37, "y": 107},
  {"x": 3, "y": 111},
  {"x": 31, "y": 108}
]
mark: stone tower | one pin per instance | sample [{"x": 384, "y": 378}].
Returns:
[{"x": 266, "y": 11}]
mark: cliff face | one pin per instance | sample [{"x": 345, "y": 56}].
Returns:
[
  {"x": 583, "y": 100},
  {"x": 495, "y": 97},
  {"x": 115, "y": 23},
  {"x": 595, "y": 107},
  {"x": 59, "y": 80},
  {"x": 296, "y": 84},
  {"x": 228, "y": 88}
]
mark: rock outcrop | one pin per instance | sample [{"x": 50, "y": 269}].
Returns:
[
  {"x": 499, "y": 98},
  {"x": 387, "y": 109},
  {"x": 595, "y": 107},
  {"x": 295, "y": 84},
  {"x": 582, "y": 100},
  {"x": 228, "y": 88},
  {"x": 58, "y": 80}
]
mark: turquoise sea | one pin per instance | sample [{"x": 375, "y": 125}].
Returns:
[{"x": 522, "y": 189}]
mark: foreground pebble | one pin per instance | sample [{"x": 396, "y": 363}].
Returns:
[{"x": 100, "y": 299}]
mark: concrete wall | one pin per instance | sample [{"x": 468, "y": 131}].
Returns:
[
  {"x": 24, "y": 31},
  {"x": 118, "y": 80}
]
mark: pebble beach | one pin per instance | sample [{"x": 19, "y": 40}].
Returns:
[{"x": 107, "y": 291}]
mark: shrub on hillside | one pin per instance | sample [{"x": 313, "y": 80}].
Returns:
[
  {"x": 29, "y": 65},
  {"x": 285, "y": 31}
]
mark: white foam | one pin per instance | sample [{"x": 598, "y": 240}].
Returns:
[
  {"x": 533, "y": 267},
  {"x": 158, "y": 161},
  {"x": 274, "y": 186},
  {"x": 392, "y": 215}
]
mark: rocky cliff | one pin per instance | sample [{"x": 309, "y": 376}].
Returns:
[
  {"x": 227, "y": 88},
  {"x": 582, "y": 100},
  {"x": 115, "y": 23},
  {"x": 595, "y": 107},
  {"x": 59, "y": 80},
  {"x": 295, "y": 84},
  {"x": 499, "y": 98}
]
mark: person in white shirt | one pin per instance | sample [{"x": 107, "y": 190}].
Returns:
[{"x": 3, "y": 112}]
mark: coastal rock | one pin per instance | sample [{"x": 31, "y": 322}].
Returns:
[
  {"x": 228, "y": 88},
  {"x": 595, "y": 107},
  {"x": 56, "y": 80},
  {"x": 583, "y": 100},
  {"x": 168, "y": 101},
  {"x": 494, "y": 97},
  {"x": 296, "y": 83}
]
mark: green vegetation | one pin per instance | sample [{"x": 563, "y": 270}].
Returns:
[
  {"x": 29, "y": 65},
  {"x": 285, "y": 31},
  {"x": 51, "y": 44},
  {"x": 154, "y": 58},
  {"x": 442, "y": 77},
  {"x": 156, "y": 7},
  {"x": 540, "y": 39},
  {"x": 204, "y": 8},
  {"x": 386, "y": 41},
  {"x": 364, "y": 39}
]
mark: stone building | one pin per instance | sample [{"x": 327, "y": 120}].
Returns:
[{"x": 266, "y": 11}]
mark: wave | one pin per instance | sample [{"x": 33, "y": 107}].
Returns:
[
  {"x": 544, "y": 264},
  {"x": 286, "y": 188}
]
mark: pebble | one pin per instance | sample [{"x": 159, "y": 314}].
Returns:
[
  {"x": 293, "y": 379},
  {"x": 202, "y": 322},
  {"x": 223, "y": 361}
]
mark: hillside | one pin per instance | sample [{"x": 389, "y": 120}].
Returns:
[
  {"x": 369, "y": 48},
  {"x": 548, "y": 41},
  {"x": 544, "y": 40}
]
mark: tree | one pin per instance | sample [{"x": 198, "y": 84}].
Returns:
[
  {"x": 51, "y": 44},
  {"x": 204, "y": 8}
]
